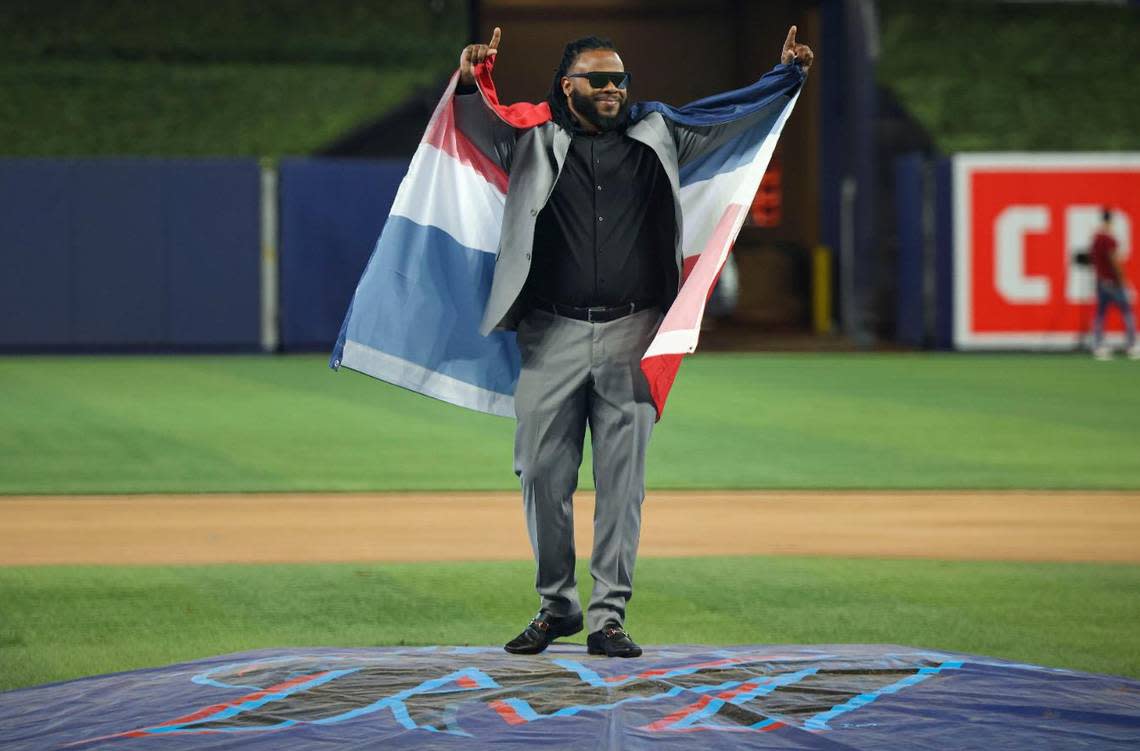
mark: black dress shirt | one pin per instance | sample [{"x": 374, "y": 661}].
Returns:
[{"x": 606, "y": 236}]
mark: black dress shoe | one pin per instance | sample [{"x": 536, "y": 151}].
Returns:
[
  {"x": 612, "y": 641},
  {"x": 544, "y": 629}
]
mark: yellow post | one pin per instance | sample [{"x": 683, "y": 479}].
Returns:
[{"x": 821, "y": 289}]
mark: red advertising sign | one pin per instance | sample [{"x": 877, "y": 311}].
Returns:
[{"x": 1021, "y": 221}]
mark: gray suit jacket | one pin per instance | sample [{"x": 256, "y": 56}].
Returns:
[{"x": 533, "y": 159}]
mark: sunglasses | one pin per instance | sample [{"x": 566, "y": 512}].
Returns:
[{"x": 599, "y": 80}]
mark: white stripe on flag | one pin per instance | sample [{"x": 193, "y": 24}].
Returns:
[
  {"x": 672, "y": 342},
  {"x": 703, "y": 205},
  {"x": 470, "y": 209},
  {"x": 417, "y": 378}
]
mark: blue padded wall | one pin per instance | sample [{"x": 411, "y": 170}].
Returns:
[
  {"x": 35, "y": 253},
  {"x": 214, "y": 259},
  {"x": 129, "y": 254},
  {"x": 331, "y": 213},
  {"x": 910, "y": 324}
]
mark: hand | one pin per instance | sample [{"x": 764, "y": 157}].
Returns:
[
  {"x": 800, "y": 54},
  {"x": 473, "y": 54}
]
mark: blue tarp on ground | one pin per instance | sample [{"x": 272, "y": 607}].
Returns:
[{"x": 683, "y": 697}]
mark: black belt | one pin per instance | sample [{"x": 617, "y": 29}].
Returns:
[{"x": 598, "y": 314}]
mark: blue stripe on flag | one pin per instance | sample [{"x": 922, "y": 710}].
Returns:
[
  {"x": 421, "y": 299},
  {"x": 773, "y": 87},
  {"x": 739, "y": 151}
]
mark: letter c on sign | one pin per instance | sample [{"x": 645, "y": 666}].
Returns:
[{"x": 1010, "y": 229}]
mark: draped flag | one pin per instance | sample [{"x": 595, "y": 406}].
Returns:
[{"x": 414, "y": 319}]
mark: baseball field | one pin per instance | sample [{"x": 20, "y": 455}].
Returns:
[{"x": 159, "y": 509}]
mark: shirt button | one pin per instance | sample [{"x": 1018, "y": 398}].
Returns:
[
  {"x": 599, "y": 187},
  {"x": 601, "y": 218},
  {"x": 534, "y": 212},
  {"x": 528, "y": 256}
]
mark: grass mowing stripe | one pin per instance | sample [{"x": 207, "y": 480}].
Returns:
[
  {"x": 118, "y": 77},
  {"x": 235, "y": 108},
  {"x": 261, "y": 423},
  {"x": 65, "y": 622}
]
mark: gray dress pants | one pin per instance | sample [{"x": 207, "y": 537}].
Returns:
[{"x": 576, "y": 373}]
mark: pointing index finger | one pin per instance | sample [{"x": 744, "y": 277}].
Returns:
[
  {"x": 790, "y": 42},
  {"x": 495, "y": 38}
]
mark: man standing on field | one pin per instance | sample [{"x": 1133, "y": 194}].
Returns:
[
  {"x": 589, "y": 257},
  {"x": 1112, "y": 288}
]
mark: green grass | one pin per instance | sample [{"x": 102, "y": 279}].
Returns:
[
  {"x": 359, "y": 31},
  {"x": 215, "y": 109},
  {"x": 261, "y": 423},
  {"x": 64, "y": 622},
  {"x": 1020, "y": 76}
]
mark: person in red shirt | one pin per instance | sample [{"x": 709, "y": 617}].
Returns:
[{"x": 1112, "y": 288}]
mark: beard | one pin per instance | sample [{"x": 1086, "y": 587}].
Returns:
[{"x": 588, "y": 108}]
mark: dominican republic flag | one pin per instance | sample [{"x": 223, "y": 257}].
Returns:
[{"x": 414, "y": 319}]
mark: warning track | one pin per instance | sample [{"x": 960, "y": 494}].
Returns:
[{"x": 274, "y": 528}]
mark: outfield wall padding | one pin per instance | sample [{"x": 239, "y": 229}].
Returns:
[
  {"x": 910, "y": 323},
  {"x": 129, "y": 254},
  {"x": 332, "y": 211}
]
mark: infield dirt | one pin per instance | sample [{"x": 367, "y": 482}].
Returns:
[{"x": 264, "y": 528}]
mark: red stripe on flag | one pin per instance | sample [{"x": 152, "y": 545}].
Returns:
[
  {"x": 703, "y": 270},
  {"x": 687, "y": 266},
  {"x": 445, "y": 136},
  {"x": 660, "y": 371},
  {"x": 521, "y": 115}
]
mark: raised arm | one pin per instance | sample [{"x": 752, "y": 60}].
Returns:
[
  {"x": 477, "y": 121},
  {"x": 793, "y": 52},
  {"x": 473, "y": 54},
  {"x": 702, "y": 127}
]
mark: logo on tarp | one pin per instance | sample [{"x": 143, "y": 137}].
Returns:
[{"x": 479, "y": 693}]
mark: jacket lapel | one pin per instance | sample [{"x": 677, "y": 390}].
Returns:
[
  {"x": 652, "y": 131},
  {"x": 561, "y": 146}
]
